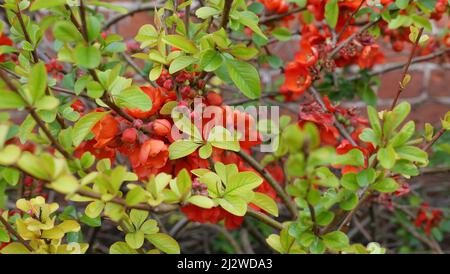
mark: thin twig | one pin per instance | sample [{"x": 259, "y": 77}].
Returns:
[
  {"x": 226, "y": 13},
  {"x": 395, "y": 66},
  {"x": 351, "y": 37},
  {"x": 272, "y": 182},
  {"x": 434, "y": 140},
  {"x": 12, "y": 231},
  {"x": 144, "y": 7},
  {"x": 401, "y": 85},
  {"x": 275, "y": 17},
  {"x": 264, "y": 218},
  {"x": 38, "y": 120}
]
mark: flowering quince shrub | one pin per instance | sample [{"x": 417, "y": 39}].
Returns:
[{"x": 140, "y": 135}]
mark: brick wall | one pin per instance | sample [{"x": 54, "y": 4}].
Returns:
[{"x": 428, "y": 91}]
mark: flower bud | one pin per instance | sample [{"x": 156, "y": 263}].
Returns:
[
  {"x": 129, "y": 135},
  {"x": 161, "y": 127},
  {"x": 168, "y": 84},
  {"x": 214, "y": 99}
]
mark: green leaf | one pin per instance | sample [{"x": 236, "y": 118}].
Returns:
[
  {"x": 324, "y": 218},
  {"x": 11, "y": 176},
  {"x": 181, "y": 63},
  {"x": 335, "y": 240},
  {"x": 282, "y": 34},
  {"x": 87, "y": 56},
  {"x": 210, "y": 60},
  {"x": 385, "y": 185},
  {"x": 134, "y": 98},
  {"x": 164, "y": 242},
  {"x": 11, "y": 100},
  {"x": 15, "y": 248},
  {"x": 366, "y": 177},
  {"x": 265, "y": 203},
  {"x": 149, "y": 227},
  {"x": 181, "y": 42},
  {"x": 405, "y": 168},
  {"x": 30, "y": 164},
  {"x": 121, "y": 248},
  {"x": 374, "y": 121},
  {"x": 349, "y": 201},
  {"x": 206, "y": 12},
  {"x": 236, "y": 205},
  {"x": 242, "y": 183},
  {"x": 245, "y": 77},
  {"x": 402, "y": 4},
  {"x": 94, "y": 209},
  {"x": 368, "y": 135},
  {"x": 349, "y": 181},
  {"x": 138, "y": 217},
  {"x": 326, "y": 177},
  {"x": 332, "y": 13},
  {"x": 250, "y": 20},
  {"x": 66, "y": 184},
  {"x": 413, "y": 154},
  {"x": 47, "y": 103},
  {"x": 353, "y": 158},
  {"x": 135, "y": 196},
  {"x": 82, "y": 128},
  {"x": 182, "y": 148},
  {"x": 135, "y": 239},
  {"x": 147, "y": 36},
  {"x": 184, "y": 183},
  {"x": 4, "y": 236},
  {"x": 386, "y": 157},
  {"x": 201, "y": 201},
  {"x": 38, "y": 81},
  {"x": 403, "y": 135},
  {"x": 65, "y": 31},
  {"x": 220, "y": 137},
  {"x": 45, "y": 4},
  {"x": 243, "y": 52},
  {"x": 94, "y": 28},
  {"x": 205, "y": 151}
]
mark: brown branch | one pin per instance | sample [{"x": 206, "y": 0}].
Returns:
[
  {"x": 84, "y": 30},
  {"x": 47, "y": 132},
  {"x": 231, "y": 240},
  {"x": 137, "y": 69},
  {"x": 434, "y": 140},
  {"x": 12, "y": 231},
  {"x": 25, "y": 33},
  {"x": 282, "y": 15},
  {"x": 144, "y": 7},
  {"x": 351, "y": 37},
  {"x": 106, "y": 98},
  {"x": 264, "y": 218},
  {"x": 226, "y": 13},
  {"x": 35, "y": 57},
  {"x": 162, "y": 208},
  {"x": 401, "y": 85},
  {"x": 272, "y": 182},
  {"x": 395, "y": 66},
  {"x": 38, "y": 120},
  {"x": 313, "y": 218}
]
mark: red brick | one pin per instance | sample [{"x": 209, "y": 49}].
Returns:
[
  {"x": 439, "y": 83},
  {"x": 389, "y": 85},
  {"x": 428, "y": 112}
]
